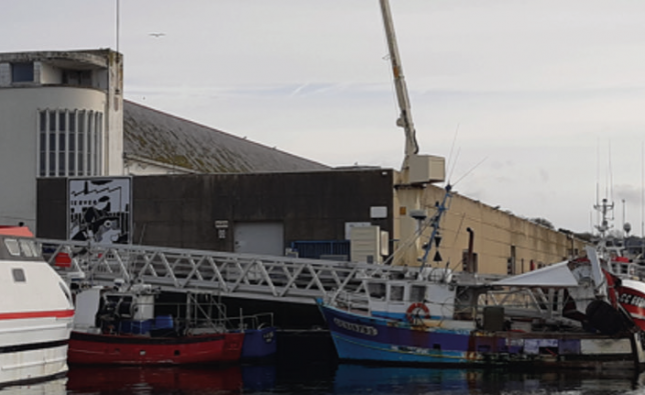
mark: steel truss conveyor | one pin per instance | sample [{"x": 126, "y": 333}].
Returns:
[{"x": 227, "y": 274}]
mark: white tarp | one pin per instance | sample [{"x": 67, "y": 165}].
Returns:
[{"x": 556, "y": 275}]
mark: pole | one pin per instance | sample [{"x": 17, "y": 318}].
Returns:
[{"x": 117, "y": 24}]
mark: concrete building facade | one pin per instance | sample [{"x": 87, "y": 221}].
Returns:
[{"x": 62, "y": 116}]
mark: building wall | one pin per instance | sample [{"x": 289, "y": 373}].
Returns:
[
  {"x": 48, "y": 90},
  {"x": 495, "y": 234},
  {"x": 19, "y": 148},
  {"x": 133, "y": 165},
  {"x": 111, "y": 81},
  {"x": 181, "y": 210}
]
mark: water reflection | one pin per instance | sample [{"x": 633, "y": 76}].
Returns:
[
  {"x": 362, "y": 379},
  {"x": 53, "y": 387},
  {"x": 154, "y": 380},
  {"x": 337, "y": 379}
]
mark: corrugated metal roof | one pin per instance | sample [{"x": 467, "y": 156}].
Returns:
[{"x": 161, "y": 137}]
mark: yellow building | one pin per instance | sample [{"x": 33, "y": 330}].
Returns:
[{"x": 502, "y": 242}]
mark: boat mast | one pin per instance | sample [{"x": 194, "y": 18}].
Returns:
[{"x": 405, "y": 119}]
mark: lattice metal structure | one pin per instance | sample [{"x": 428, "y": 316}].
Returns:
[{"x": 227, "y": 274}]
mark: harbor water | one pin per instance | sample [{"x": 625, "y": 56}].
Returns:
[
  {"x": 306, "y": 363},
  {"x": 335, "y": 378}
]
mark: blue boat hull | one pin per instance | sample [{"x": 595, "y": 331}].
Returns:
[
  {"x": 259, "y": 343},
  {"x": 365, "y": 338}
]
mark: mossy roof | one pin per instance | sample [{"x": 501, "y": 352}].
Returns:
[{"x": 165, "y": 138}]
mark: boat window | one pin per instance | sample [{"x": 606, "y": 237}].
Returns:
[
  {"x": 376, "y": 290},
  {"x": 396, "y": 293},
  {"x": 28, "y": 249},
  {"x": 18, "y": 275},
  {"x": 417, "y": 293},
  {"x": 12, "y": 246}
]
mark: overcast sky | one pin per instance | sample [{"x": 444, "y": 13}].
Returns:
[{"x": 548, "y": 97}]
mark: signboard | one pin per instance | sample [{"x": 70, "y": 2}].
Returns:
[{"x": 100, "y": 210}]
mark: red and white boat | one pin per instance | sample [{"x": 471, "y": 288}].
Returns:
[
  {"x": 36, "y": 311},
  {"x": 626, "y": 276},
  {"x": 132, "y": 327}
]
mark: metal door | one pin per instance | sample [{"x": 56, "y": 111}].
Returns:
[{"x": 264, "y": 238}]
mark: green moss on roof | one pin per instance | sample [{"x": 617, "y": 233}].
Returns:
[{"x": 164, "y": 138}]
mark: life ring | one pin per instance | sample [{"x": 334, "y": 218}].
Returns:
[{"x": 416, "y": 313}]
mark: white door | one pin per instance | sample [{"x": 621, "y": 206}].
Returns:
[{"x": 265, "y": 238}]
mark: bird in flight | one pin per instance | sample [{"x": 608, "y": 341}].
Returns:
[{"x": 157, "y": 34}]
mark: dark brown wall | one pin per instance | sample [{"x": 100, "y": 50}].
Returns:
[
  {"x": 181, "y": 210},
  {"x": 51, "y": 208}
]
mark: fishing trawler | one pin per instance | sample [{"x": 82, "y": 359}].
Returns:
[{"x": 138, "y": 325}]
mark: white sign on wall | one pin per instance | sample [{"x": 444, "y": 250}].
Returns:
[
  {"x": 350, "y": 225},
  {"x": 100, "y": 210}
]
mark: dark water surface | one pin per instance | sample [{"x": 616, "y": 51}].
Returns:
[{"x": 330, "y": 378}]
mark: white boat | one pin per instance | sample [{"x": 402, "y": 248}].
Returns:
[{"x": 36, "y": 311}]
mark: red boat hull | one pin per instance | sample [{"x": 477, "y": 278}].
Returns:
[
  {"x": 86, "y": 348},
  {"x": 631, "y": 295}
]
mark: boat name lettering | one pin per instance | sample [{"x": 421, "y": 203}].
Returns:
[
  {"x": 633, "y": 300},
  {"x": 362, "y": 329}
]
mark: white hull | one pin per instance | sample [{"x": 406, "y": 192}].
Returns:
[
  {"x": 40, "y": 346},
  {"x": 36, "y": 316},
  {"x": 33, "y": 365}
]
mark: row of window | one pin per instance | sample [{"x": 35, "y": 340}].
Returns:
[
  {"x": 70, "y": 143},
  {"x": 24, "y": 72}
]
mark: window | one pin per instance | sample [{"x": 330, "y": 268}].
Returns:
[
  {"x": 396, "y": 293},
  {"x": 12, "y": 246},
  {"x": 376, "y": 290},
  {"x": 28, "y": 248},
  {"x": 70, "y": 143},
  {"x": 22, "y": 72},
  {"x": 77, "y": 77},
  {"x": 18, "y": 275},
  {"x": 417, "y": 293}
]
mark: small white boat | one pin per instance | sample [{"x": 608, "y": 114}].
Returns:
[{"x": 36, "y": 311}]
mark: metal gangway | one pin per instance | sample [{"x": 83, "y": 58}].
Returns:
[{"x": 227, "y": 274}]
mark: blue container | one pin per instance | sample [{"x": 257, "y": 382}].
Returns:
[
  {"x": 125, "y": 327},
  {"x": 164, "y": 322},
  {"x": 141, "y": 327}
]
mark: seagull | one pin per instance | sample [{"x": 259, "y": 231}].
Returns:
[{"x": 157, "y": 35}]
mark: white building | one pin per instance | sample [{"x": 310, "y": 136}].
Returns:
[{"x": 61, "y": 115}]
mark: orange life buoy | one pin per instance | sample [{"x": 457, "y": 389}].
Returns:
[{"x": 417, "y": 312}]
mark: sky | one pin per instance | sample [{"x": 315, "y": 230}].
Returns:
[{"x": 537, "y": 106}]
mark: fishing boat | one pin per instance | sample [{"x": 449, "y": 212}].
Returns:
[
  {"x": 553, "y": 317},
  {"x": 138, "y": 325},
  {"x": 564, "y": 315},
  {"x": 36, "y": 311},
  {"x": 627, "y": 267}
]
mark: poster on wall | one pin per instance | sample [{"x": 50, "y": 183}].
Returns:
[{"x": 100, "y": 210}]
